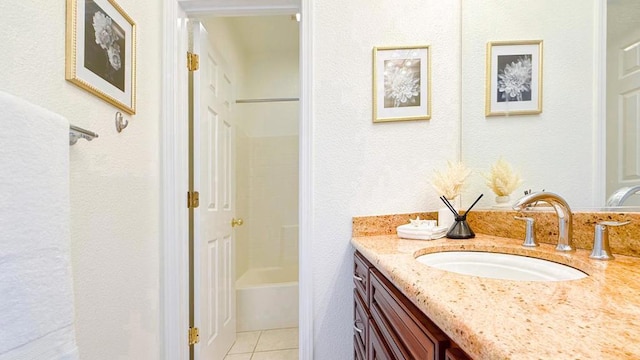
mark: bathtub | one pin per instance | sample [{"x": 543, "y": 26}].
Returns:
[{"x": 267, "y": 298}]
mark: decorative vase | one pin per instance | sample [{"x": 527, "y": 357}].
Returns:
[
  {"x": 503, "y": 201},
  {"x": 446, "y": 216}
]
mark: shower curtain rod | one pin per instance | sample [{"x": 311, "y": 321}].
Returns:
[{"x": 246, "y": 101}]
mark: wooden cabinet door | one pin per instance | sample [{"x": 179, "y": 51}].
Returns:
[
  {"x": 387, "y": 325},
  {"x": 357, "y": 355},
  {"x": 377, "y": 348},
  {"x": 360, "y": 324},
  {"x": 409, "y": 333},
  {"x": 361, "y": 275}
]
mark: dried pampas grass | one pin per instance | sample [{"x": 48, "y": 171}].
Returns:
[
  {"x": 502, "y": 180},
  {"x": 449, "y": 183}
]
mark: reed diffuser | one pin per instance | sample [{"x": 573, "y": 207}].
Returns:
[
  {"x": 460, "y": 228},
  {"x": 449, "y": 184}
]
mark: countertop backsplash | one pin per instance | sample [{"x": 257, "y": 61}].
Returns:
[{"x": 623, "y": 240}]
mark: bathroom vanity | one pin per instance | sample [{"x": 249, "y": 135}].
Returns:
[
  {"x": 388, "y": 326},
  {"x": 407, "y": 310}
]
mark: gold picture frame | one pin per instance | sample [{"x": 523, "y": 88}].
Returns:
[
  {"x": 101, "y": 51},
  {"x": 514, "y": 78},
  {"x": 401, "y": 83}
]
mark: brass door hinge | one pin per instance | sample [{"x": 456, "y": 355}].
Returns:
[
  {"x": 194, "y": 336},
  {"x": 193, "y": 61},
  {"x": 193, "y": 199}
]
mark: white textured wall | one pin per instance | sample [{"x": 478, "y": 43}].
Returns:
[
  {"x": 270, "y": 75},
  {"x": 114, "y": 179},
  {"x": 362, "y": 168},
  {"x": 554, "y": 150},
  {"x": 272, "y": 129},
  {"x": 273, "y": 201}
]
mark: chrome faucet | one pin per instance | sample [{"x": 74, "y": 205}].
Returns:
[
  {"x": 565, "y": 229},
  {"x": 620, "y": 195}
]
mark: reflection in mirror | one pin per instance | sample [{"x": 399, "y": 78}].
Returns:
[
  {"x": 623, "y": 102},
  {"x": 553, "y": 150},
  {"x": 561, "y": 149},
  {"x": 620, "y": 196}
]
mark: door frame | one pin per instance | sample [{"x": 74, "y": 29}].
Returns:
[{"x": 174, "y": 272}]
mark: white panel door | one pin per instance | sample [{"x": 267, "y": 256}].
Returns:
[
  {"x": 214, "y": 178},
  {"x": 623, "y": 115}
]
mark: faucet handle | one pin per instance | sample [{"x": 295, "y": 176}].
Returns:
[
  {"x": 530, "y": 232},
  {"x": 601, "y": 250}
]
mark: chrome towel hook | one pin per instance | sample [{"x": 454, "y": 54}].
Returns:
[{"x": 120, "y": 125}]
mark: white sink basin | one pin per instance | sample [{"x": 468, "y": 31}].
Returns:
[{"x": 500, "y": 266}]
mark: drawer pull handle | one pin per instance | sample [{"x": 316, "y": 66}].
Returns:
[
  {"x": 356, "y": 277},
  {"x": 356, "y": 327}
]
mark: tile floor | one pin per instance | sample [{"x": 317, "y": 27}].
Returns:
[{"x": 278, "y": 344}]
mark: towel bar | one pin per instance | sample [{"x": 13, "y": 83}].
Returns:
[
  {"x": 76, "y": 133},
  {"x": 247, "y": 101}
]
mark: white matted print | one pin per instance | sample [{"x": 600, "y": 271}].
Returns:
[
  {"x": 101, "y": 51},
  {"x": 401, "y": 83},
  {"x": 514, "y": 78}
]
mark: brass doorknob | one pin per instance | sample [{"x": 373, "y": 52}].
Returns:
[{"x": 236, "y": 222}]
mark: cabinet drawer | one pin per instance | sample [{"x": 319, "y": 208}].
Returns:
[
  {"x": 378, "y": 349},
  {"x": 361, "y": 275},
  {"x": 410, "y": 334},
  {"x": 360, "y": 324}
]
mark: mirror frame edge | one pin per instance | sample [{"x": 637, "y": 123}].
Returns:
[{"x": 600, "y": 105}]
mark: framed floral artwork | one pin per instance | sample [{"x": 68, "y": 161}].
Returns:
[
  {"x": 514, "y": 78},
  {"x": 101, "y": 51},
  {"x": 401, "y": 83}
]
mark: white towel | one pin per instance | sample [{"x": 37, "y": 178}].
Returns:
[{"x": 36, "y": 298}]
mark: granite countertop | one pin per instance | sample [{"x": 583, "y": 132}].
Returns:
[{"x": 597, "y": 317}]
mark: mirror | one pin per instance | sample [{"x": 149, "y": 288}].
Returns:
[
  {"x": 561, "y": 149},
  {"x": 623, "y": 98}
]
